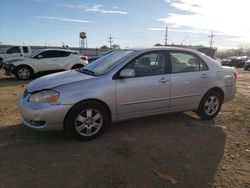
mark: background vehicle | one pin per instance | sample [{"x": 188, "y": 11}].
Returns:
[
  {"x": 14, "y": 52},
  {"x": 46, "y": 60},
  {"x": 234, "y": 61},
  {"x": 247, "y": 65},
  {"x": 127, "y": 84}
]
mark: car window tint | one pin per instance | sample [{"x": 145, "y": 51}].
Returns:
[
  {"x": 186, "y": 62},
  {"x": 64, "y": 54},
  {"x": 25, "y": 49},
  {"x": 13, "y": 50},
  {"x": 149, "y": 64},
  {"x": 50, "y": 54}
]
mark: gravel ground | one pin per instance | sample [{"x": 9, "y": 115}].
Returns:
[{"x": 174, "y": 150}]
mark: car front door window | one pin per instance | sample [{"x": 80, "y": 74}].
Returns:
[{"x": 148, "y": 65}]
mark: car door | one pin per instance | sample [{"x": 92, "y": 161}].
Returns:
[
  {"x": 47, "y": 60},
  {"x": 148, "y": 91},
  {"x": 190, "y": 79},
  {"x": 14, "y": 52}
]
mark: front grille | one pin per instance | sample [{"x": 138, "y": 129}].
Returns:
[{"x": 25, "y": 93}]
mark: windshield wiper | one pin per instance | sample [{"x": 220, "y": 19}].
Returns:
[{"x": 86, "y": 71}]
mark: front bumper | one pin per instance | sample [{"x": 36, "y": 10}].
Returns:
[
  {"x": 9, "y": 69},
  {"x": 42, "y": 116}
]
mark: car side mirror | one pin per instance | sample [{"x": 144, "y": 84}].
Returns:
[
  {"x": 127, "y": 73},
  {"x": 39, "y": 56}
]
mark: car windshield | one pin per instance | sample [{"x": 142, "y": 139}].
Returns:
[{"x": 106, "y": 63}]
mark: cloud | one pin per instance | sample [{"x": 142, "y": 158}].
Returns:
[
  {"x": 62, "y": 19},
  {"x": 97, "y": 8},
  {"x": 198, "y": 31},
  {"x": 227, "y": 17},
  {"x": 67, "y": 5}
]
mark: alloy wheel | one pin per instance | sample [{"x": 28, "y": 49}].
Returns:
[{"x": 88, "y": 122}]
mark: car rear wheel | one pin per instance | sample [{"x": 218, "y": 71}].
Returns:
[
  {"x": 86, "y": 120},
  {"x": 24, "y": 73},
  {"x": 210, "y": 105}
]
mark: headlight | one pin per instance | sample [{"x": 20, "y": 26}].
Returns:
[{"x": 46, "y": 96}]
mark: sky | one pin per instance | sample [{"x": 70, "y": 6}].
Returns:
[{"x": 131, "y": 23}]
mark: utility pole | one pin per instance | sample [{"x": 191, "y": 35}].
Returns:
[
  {"x": 211, "y": 40},
  {"x": 166, "y": 37},
  {"x": 110, "y": 41}
]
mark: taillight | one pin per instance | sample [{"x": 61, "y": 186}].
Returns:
[
  {"x": 84, "y": 58},
  {"x": 235, "y": 75}
]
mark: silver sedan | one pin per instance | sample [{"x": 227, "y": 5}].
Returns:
[{"x": 127, "y": 84}]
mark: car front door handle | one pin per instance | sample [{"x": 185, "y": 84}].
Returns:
[
  {"x": 204, "y": 76},
  {"x": 163, "y": 80}
]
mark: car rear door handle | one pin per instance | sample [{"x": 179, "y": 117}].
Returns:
[
  {"x": 204, "y": 76},
  {"x": 163, "y": 80}
]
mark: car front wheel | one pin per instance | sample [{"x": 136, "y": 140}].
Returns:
[
  {"x": 24, "y": 73},
  {"x": 86, "y": 120},
  {"x": 210, "y": 105}
]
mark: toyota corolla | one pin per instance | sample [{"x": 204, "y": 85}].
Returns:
[{"x": 127, "y": 84}]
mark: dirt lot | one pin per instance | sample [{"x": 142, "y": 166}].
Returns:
[{"x": 176, "y": 150}]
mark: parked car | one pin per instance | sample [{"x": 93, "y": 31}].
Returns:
[
  {"x": 226, "y": 62},
  {"x": 247, "y": 65},
  {"x": 14, "y": 52},
  {"x": 234, "y": 61},
  {"x": 127, "y": 84},
  {"x": 46, "y": 60}
]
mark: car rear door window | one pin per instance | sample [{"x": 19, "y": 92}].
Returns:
[
  {"x": 186, "y": 62},
  {"x": 149, "y": 64}
]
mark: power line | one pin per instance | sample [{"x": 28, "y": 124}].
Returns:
[
  {"x": 211, "y": 39},
  {"x": 110, "y": 41}
]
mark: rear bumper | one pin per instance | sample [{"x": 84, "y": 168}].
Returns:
[{"x": 229, "y": 92}]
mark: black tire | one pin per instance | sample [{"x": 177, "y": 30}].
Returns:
[
  {"x": 79, "y": 123},
  {"x": 210, "y": 105},
  {"x": 24, "y": 73},
  {"x": 77, "y": 66}
]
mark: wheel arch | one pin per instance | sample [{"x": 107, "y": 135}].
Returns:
[
  {"x": 25, "y": 65},
  {"x": 218, "y": 90},
  {"x": 90, "y": 100}
]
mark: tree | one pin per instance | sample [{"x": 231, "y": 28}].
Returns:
[
  {"x": 115, "y": 47},
  {"x": 158, "y": 44},
  {"x": 104, "y": 47}
]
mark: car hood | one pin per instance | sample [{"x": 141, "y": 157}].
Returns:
[{"x": 57, "y": 79}]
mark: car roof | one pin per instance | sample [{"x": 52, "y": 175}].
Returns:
[
  {"x": 58, "y": 49},
  {"x": 164, "y": 48}
]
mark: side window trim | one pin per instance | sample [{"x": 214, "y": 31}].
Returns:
[{"x": 201, "y": 61}]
